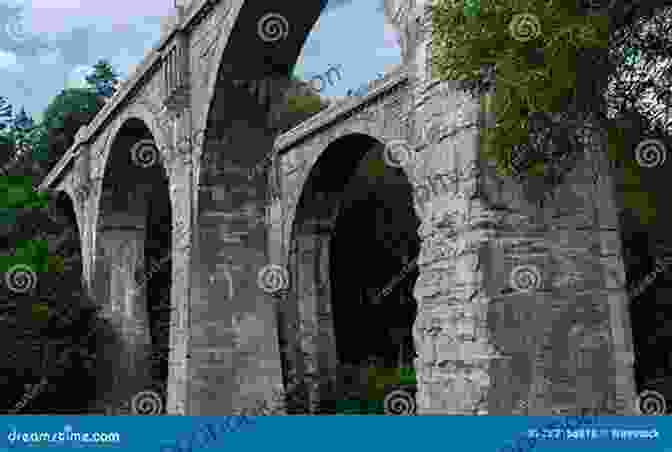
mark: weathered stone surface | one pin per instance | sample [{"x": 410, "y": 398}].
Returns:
[{"x": 483, "y": 347}]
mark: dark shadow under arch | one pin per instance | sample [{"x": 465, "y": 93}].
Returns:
[
  {"x": 134, "y": 251},
  {"x": 354, "y": 231}
]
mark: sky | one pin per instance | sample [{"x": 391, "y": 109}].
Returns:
[{"x": 46, "y": 45}]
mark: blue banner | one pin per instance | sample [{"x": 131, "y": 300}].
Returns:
[{"x": 335, "y": 433}]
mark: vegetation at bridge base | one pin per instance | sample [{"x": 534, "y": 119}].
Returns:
[
  {"x": 55, "y": 328},
  {"x": 358, "y": 389}
]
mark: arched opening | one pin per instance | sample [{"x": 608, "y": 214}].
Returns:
[
  {"x": 646, "y": 252},
  {"x": 345, "y": 331},
  {"x": 232, "y": 333},
  {"x": 134, "y": 250},
  {"x": 231, "y": 247}
]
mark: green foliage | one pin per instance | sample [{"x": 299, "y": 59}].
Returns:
[
  {"x": 300, "y": 104},
  {"x": 55, "y": 330},
  {"x": 30, "y": 253},
  {"x": 22, "y": 121},
  {"x": 5, "y": 113},
  {"x": 104, "y": 78},
  {"x": 66, "y": 113},
  {"x": 531, "y": 75},
  {"x": 306, "y": 104},
  {"x": 18, "y": 192},
  {"x": 552, "y": 69}
]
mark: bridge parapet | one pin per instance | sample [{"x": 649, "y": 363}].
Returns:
[
  {"x": 193, "y": 13},
  {"x": 338, "y": 110}
]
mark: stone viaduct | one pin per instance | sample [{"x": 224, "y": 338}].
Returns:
[{"x": 184, "y": 155}]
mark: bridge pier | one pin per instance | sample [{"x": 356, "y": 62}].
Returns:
[
  {"x": 233, "y": 351},
  {"x": 122, "y": 241}
]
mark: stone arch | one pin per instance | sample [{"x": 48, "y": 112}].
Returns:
[
  {"x": 141, "y": 112},
  {"x": 232, "y": 135},
  {"x": 66, "y": 200},
  {"x": 242, "y": 41},
  {"x": 309, "y": 316},
  {"x": 66, "y": 209},
  {"x": 134, "y": 191},
  {"x": 356, "y": 128}
]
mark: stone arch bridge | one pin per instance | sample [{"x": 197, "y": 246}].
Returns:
[{"x": 182, "y": 162}]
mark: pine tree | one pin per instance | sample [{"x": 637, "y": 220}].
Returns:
[
  {"x": 22, "y": 121},
  {"x": 5, "y": 113},
  {"x": 104, "y": 78}
]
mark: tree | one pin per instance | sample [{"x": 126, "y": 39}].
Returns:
[
  {"x": 551, "y": 83},
  {"x": 104, "y": 78},
  {"x": 22, "y": 121},
  {"x": 67, "y": 112},
  {"x": 569, "y": 74},
  {"x": 5, "y": 113},
  {"x": 54, "y": 328},
  {"x": 20, "y": 146}
]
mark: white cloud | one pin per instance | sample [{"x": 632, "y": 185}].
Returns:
[
  {"x": 9, "y": 62},
  {"x": 76, "y": 78},
  {"x": 59, "y": 15}
]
